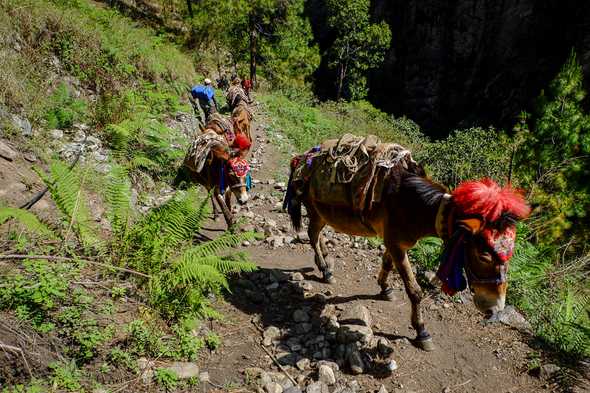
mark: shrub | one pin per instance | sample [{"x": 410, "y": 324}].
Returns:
[
  {"x": 63, "y": 110},
  {"x": 468, "y": 154}
]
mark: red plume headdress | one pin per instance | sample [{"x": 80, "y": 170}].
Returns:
[
  {"x": 498, "y": 207},
  {"x": 242, "y": 142}
]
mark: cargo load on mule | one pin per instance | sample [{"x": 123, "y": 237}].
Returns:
[{"x": 352, "y": 171}]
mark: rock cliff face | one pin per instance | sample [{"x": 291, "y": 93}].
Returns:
[{"x": 462, "y": 62}]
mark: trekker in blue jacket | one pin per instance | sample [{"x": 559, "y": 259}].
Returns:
[{"x": 205, "y": 96}]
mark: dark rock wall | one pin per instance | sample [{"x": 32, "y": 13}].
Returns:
[{"x": 455, "y": 63}]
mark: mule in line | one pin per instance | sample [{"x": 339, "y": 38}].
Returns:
[{"x": 476, "y": 222}]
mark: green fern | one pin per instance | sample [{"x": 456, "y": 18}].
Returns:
[
  {"x": 182, "y": 273},
  {"x": 27, "y": 219},
  {"x": 118, "y": 197},
  {"x": 66, "y": 191}
]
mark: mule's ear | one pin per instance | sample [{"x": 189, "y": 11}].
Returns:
[{"x": 473, "y": 225}]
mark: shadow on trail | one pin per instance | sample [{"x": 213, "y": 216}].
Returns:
[{"x": 280, "y": 298}]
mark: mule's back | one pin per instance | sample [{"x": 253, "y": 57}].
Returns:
[{"x": 353, "y": 172}]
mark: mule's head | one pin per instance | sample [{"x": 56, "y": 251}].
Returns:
[
  {"x": 238, "y": 178},
  {"x": 483, "y": 225}
]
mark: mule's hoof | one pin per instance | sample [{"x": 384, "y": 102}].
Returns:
[
  {"x": 425, "y": 343},
  {"x": 328, "y": 278},
  {"x": 386, "y": 294}
]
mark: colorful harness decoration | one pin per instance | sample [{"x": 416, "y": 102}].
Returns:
[
  {"x": 240, "y": 168},
  {"x": 479, "y": 208}
]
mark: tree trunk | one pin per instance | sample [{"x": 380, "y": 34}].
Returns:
[
  {"x": 341, "y": 75},
  {"x": 189, "y": 5},
  {"x": 252, "y": 51}
]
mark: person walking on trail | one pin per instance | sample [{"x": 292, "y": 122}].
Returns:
[{"x": 204, "y": 95}]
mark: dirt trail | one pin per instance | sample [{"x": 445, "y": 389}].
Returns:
[{"x": 469, "y": 357}]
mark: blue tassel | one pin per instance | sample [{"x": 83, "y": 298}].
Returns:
[
  {"x": 222, "y": 179},
  {"x": 248, "y": 181}
]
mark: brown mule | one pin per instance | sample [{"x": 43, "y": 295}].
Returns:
[
  {"x": 411, "y": 207},
  {"x": 242, "y": 119},
  {"x": 208, "y": 162}
]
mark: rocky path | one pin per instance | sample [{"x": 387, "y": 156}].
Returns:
[{"x": 285, "y": 331}]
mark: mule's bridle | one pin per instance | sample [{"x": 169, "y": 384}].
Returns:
[
  {"x": 443, "y": 226},
  {"x": 474, "y": 279}
]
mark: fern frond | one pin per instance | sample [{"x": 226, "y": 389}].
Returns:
[
  {"x": 223, "y": 242},
  {"x": 27, "y": 219},
  {"x": 66, "y": 191},
  {"x": 118, "y": 197}
]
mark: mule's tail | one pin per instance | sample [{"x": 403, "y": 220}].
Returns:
[
  {"x": 292, "y": 204},
  {"x": 182, "y": 179}
]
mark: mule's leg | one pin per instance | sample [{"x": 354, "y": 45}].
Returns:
[
  {"x": 314, "y": 230},
  {"x": 215, "y": 212},
  {"x": 402, "y": 263},
  {"x": 226, "y": 212},
  {"x": 227, "y": 197},
  {"x": 386, "y": 268}
]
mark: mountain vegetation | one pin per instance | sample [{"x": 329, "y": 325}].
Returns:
[{"x": 123, "y": 67}]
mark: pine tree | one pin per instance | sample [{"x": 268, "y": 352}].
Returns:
[
  {"x": 359, "y": 45},
  {"x": 555, "y": 157}
]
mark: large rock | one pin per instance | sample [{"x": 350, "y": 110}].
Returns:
[
  {"x": 354, "y": 333},
  {"x": 184, "y": 370},
  {"x": 357, "y": 314},
  {"x": 270, "y": 334},
  {"x": 509, "y": 316},
  {"x": 273, "y": 387},
  {"x": 317, "y": 387},
  {"x": 293, "y": 389},
  {"x": 7, "y": 152},
  {"x": 23, "y": 124},
  {"x": 326, "y": 375}
]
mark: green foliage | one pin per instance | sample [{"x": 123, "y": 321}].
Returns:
[
  {"x": 182, "y": 274},
  {"x": 36, "y": 292},
  {"x": 306, "y": 124},
  {"x": 27, "y": 219},
  {"x": 120, "y": 358},
  {"x": 359, "y": 45},
  {"x": 96, "y": 45},
  {"x": 142, "y": 140},
  {"x": 554, "y": 295},
  {"x": 118, "y": 198},
  {"x": 63, "y": 110},
  {"x": 166, "y": 378},
  {"x": 146, "y": 339},
  {"x": 213, "y": 341},
  {"x": 66, "y": 191},
  {"x": 34, "y": 386},
  {"x": 427, "y": 252},
  {"x": 282, "y": 33},
  {"x": 289, "y": 58},
  {"x": 468, "y": 154},
  {"x": 66, "y": 376},
  {"x": 554, "y": 157}
]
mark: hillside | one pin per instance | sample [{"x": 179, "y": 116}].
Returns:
[{"x": 114, "y": 280}]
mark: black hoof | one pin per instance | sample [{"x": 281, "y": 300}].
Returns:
[
  {"x": 425, "y": 343},
  {"x": 328, "y": 278},
  {"x": 386, "y": 294}
]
